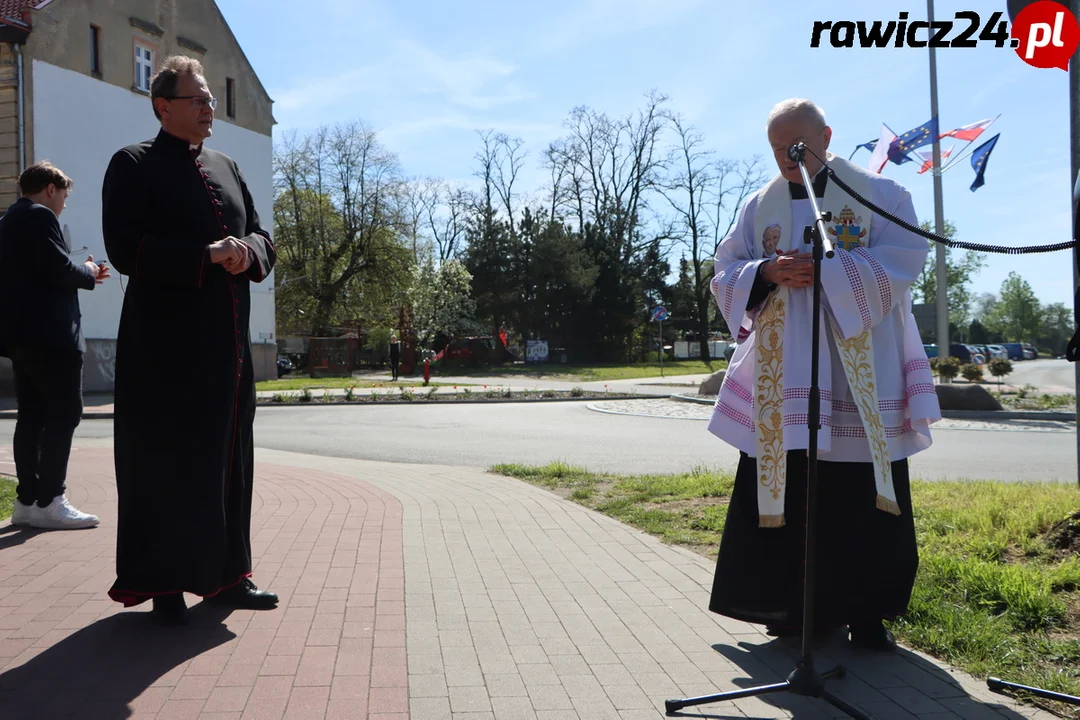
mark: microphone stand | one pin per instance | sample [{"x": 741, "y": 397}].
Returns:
[{"x": 804, "y": 679}]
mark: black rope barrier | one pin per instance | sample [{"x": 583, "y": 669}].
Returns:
[{"x": 958, "y": 244}]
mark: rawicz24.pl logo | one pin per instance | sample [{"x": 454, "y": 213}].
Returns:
[{"x": 1045, "y": 34}]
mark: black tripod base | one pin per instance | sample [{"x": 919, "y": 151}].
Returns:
[
  {"x": 1001, "y": 686},
  {"x": 804, "y": 680}
]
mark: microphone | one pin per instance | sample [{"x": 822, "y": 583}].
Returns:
[{"x": 795, "y": 152}]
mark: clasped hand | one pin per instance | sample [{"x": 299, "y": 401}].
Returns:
[
  {"x": 230, "y": 254},
  {"x": 100, "y": 270},
  {"x": 790, "y": 268}
]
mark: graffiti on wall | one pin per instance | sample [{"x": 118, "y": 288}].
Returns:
[{"x": 100, "y": 372}]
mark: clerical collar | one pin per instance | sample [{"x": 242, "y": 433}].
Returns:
[
  {"x": 798, "y": 190},
  {"x": 171, "y": 140}
]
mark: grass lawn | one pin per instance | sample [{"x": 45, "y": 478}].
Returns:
[
  {"x": 299, "y": 383},
  {"x": 590, "y": 373},
  {"x": 7, "y": 496},
  {"x": 998, "y": 590}
]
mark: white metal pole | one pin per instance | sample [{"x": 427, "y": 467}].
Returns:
[
  {"x": 1074, "y": 147},
  {"x": 939, "y": 212}
]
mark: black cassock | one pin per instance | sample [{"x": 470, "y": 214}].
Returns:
[
  {"x": 866, "y": 559},
  {"x": 185, "y": 389}
]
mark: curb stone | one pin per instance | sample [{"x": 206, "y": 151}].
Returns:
[
  {"x": 952, "y": 414},
  {"x": 946, "y": 414},
  {"x": 107, "y": 415}
]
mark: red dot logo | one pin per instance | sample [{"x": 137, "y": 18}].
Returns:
[{"x": 1046, "y": 35}]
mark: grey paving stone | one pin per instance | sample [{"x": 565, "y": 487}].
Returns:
[
  {"x": 430, "y": 708},
  {"x": 549, "y": 697},
  {"x": 469, "y": 699},
  {"x": 513, "y": 708}
]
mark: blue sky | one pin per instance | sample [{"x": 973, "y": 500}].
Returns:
[{"x": 427, "y": 75}]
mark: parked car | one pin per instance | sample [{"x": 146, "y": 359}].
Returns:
[
  {"x": 988, "y": 352},
  {"x": 966, "y": 353},
  {"x": 1015, "y": 350},
  {"x": 1030, "y": 353},
  {"x": 284, "y": 365},
  {"x": 476, "y": 351},
  {"x": 930, "y": 350}
]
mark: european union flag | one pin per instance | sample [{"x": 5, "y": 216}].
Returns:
[
  {"x": 978, "y": 161},
  {"x": 868, "y": 145},
  {"x": 925, "y": 134}
]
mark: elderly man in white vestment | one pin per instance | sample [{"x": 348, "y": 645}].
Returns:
[{"x": 877, "y": 396}]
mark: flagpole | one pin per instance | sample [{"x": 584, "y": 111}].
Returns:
[
  {"x": 939, "y": 213},
  {"x": 1074, "y": 143}
]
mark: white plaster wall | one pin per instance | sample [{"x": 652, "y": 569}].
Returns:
[{"x": 79, "y": 122}]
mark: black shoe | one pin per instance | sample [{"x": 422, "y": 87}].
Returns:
[
  {"x": 783, "y": 631},
  {"x": 874, "y": 636},
  {"x": 170, "y": 609},
  {"x": 245, "y": 595}
]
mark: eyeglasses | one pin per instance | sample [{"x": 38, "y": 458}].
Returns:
[{"x": 198, "y": 101}]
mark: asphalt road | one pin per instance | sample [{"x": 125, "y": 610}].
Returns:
[
  {"x": 1048, "y": 375},
  {"x": 482, "y": 435}
]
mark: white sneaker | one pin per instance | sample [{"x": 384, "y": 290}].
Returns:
[
  {"x": 60, "y": 515},
  {"x": 23, "y": 515}
]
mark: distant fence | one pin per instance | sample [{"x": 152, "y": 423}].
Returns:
[{"x": 339, "y": 356}]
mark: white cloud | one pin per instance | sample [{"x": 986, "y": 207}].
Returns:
[
  {"x": 309, "y": 95},
  {"x": 593, "y": 18},
  {"x": 473, "y": 81},
  {"x": 461, "y": 121}
]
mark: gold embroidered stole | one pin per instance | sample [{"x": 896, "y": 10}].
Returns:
[{"x": 772, "y": 230}]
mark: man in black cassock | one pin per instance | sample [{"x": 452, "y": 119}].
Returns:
[{"x": 179, "y": 221}]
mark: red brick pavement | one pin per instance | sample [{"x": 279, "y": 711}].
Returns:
[{"x": 330, "y": 546}]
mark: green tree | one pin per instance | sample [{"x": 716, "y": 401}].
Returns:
[
  {"x": 493, "y": 259},
  {"x": 959, "y": 273},
  {"x": 559, "y": 282},
  {"x": 337, "y": 222},
  {"x": 683, "y": 305},
  {"x": 1058, "y": 327},
  {"x": 1017, "y": 314},
  {"x": 1000, "y": 367}
]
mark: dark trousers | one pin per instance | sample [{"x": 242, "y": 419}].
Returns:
[
  {"x": 48, "y": 387},
  {"x": 394, "y": 366}
]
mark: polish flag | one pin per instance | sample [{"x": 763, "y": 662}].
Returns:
[
  {"x": 968, "y": 133},
  {"x": 880, "y": 156},
  {"x": 927, "y": 157}
]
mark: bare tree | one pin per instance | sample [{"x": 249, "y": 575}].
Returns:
[
  {"x": 500, "y": 160},
  {"x": 565, "y": 191},
  {"x": 447, "y": 214},
  {"x": 510, "y": 157},
  {"x": 611, "y": 168},
  {"x": 487, "y": 157},
  {"x": 416, "y": 199},
  {"x": 687, "y": 191},
  {"x": 705, "y": 195},
  {"x": 735, "y": 181}
]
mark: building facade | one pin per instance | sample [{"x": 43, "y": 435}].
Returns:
[{"x": 75, "y": 88}]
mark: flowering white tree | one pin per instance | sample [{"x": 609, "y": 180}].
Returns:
[{"x": 442, "y": 300}]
